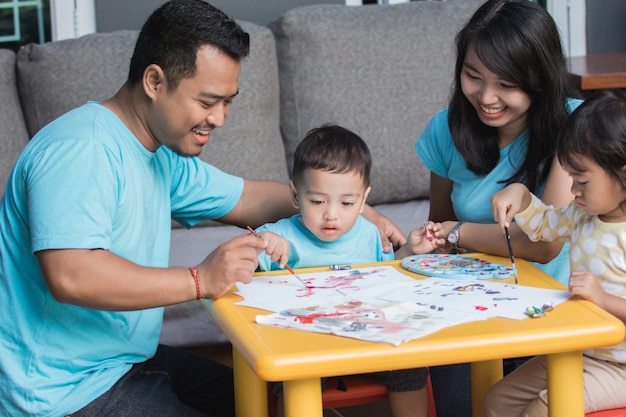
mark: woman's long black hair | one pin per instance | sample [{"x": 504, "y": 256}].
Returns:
[{"x": 518, "y": 41}]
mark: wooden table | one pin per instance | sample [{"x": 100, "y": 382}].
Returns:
[
  {"x": 598, "y": 71},
  {"x": 300, "y": 359}
]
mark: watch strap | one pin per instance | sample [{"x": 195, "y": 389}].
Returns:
[{"x": 456, "y": 229}]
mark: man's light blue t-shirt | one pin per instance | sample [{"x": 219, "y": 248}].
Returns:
[
  {"x": 471, "y": 193},
  {"x": 361, "y": 244},
  {"x": 86, "y": 182}
]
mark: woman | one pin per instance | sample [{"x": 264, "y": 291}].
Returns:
[{"x": 509, "y": 102}]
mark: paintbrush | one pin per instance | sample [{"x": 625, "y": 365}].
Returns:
[
  {"x": 290, "y": 269},
  {"x": 508, "y": 242}
]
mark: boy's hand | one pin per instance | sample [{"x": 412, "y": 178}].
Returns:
[
  {"x": 423, "y": 239},
  {"x": 277, "y": 247},
  {"x": 509, "y": 201}
]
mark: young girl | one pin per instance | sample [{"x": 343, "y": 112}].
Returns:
[
  {"x": 592, "y": 149},
  {"x": 509, "y": 102}
]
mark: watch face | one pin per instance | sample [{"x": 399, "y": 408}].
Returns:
[{"x": 453, "y": 237}]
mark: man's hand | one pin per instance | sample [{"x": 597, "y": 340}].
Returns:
[
  {"x": 232, "y": 262},
  {"x": 389, "y": 232}
]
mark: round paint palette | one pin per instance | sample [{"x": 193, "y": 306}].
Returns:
[{"x": 455, "y": 267}]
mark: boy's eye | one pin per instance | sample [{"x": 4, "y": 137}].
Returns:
[
  {"x": 348, "y": 203},
  {"x": 507, "y": 85},
  {"x": 317, "y": 202}
]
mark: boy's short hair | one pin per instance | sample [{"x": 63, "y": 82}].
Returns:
[
  {"x": 333, "y": 149},
  {"x": 175, "y": 31}
]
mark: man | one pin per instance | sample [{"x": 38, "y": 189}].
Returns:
[{"x": 85, "y": 233}]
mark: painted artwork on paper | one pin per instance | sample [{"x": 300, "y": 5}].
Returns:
[
  {"x": 280, "y": 292},
  {"x": 374, "y": 321},
  {"x": 383, "y": 304},
  {"x": 482, "y": 298}
]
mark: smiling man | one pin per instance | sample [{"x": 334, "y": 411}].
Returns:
[{"x": 85, "y": 233}]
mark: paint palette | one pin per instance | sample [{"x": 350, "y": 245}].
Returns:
[{"x": 456, "y": 267}]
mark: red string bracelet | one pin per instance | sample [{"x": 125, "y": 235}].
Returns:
[{"x": 194, "y": 274}]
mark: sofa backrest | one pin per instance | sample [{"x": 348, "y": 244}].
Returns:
[
  {"x": 249, "y": 144},
  {"x": 13, "y": 133},
  {"x": 58, "y": 76},
  {"x": 380, "y": 70}
]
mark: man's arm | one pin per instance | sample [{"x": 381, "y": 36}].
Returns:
[
  {"x": 389, "y": 232},
  {"x": 268, "y": 201},
  {"x": 261, "y": 202},
  {"x": 99, "y": 279}
]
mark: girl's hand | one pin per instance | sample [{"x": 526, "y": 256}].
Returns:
[
  {"x": 277, "y": 247},
  {"x": 585, "y": 285},
  {"x": 509, "y": 201}
]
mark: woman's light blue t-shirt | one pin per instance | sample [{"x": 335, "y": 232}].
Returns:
[
  {"x": 471, "y": 193},
  {"x": 86, "y": 182}
]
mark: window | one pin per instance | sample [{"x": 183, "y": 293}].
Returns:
[
  {"x": 23, "y": 22},
  {"x": 38, "y": 21}
]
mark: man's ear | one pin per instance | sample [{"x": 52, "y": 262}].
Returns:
[
  {"x": 367, "y": 192},
  {"x": 294, "y": 195},
  {"x": 153, "y": 80}
]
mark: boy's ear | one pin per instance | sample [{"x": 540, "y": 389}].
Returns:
[
  {"x": 367, "y": 192},
  {"x": 294, "y": 195},
  {"x": 624, "y": 175}
]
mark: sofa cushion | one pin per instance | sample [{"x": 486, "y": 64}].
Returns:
[
  {"x": 59, "y": 76},
  {"x": 56, "y": 77},
  {"x": 13, "y": 133},
  {"x": 379, "y": 70}
]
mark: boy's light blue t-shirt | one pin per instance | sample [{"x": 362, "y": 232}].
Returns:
[
  {"x": 86, "y": 182},
  {"x": 361, "y": 244},
  {"x": 471, "y": 193}
]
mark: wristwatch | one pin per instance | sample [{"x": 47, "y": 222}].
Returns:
[{"x": 454, "y": 235}]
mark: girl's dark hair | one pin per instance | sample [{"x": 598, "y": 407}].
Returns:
[
  {"x": 518, "y": 41},
  {"x": 175, "y": 31},
  {"x": 334, "y": 149},
  {"x": 597, "y": 130}
]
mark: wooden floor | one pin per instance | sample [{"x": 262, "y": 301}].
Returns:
[{"x": 222, "y": 353}]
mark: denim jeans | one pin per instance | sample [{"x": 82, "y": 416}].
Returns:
[
  {"x": 452, "y": 387},
  {"x": 174, "y": 382}
]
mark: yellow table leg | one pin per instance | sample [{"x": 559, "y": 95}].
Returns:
[
  {"x": 303, "y": 398},
  {"x": 250, "y": 391},
  {"x": 565, "y": 385},
  {"x": 484, "y": 375}
]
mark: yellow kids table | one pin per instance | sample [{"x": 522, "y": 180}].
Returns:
[{"x": 300, "y": 359}]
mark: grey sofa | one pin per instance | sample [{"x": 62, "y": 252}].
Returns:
[{"x": 382, "y": 71}]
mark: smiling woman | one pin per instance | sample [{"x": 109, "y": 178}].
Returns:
[{"x": 509, "y": 103}]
